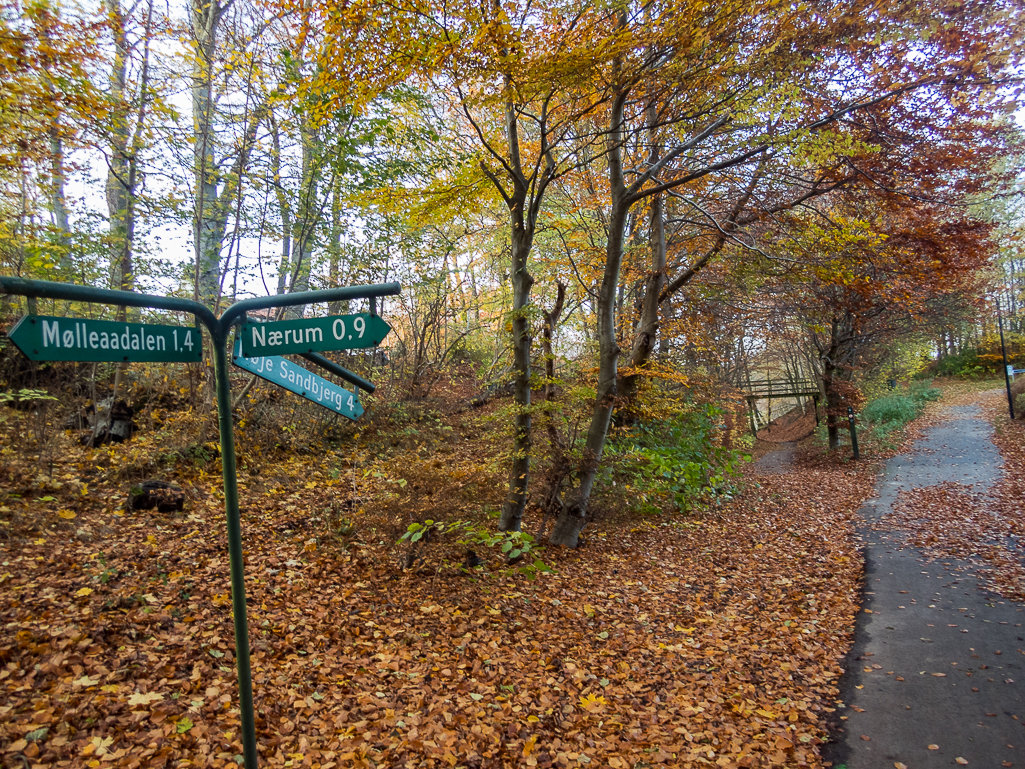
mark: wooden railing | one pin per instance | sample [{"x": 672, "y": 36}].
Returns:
[
  {"x": 783, "y": 388},
  {"x": 779, "y": 388}
]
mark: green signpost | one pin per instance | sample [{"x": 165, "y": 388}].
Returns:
[
  {"x": 219, "y": 329},
  {"x": 304, "y": 383},
  {"x": 42, "y": 337},
  {"x": 335, "y": 332}
]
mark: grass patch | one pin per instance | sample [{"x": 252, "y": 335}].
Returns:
[{"x": 896, "y": 409}]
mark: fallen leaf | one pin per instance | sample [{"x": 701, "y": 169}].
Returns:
[
  {"x": 961, "y": 761},
  {"x": 144, "y": 699},
  {"x": 528, "y": 747},
  {"x": 84, "y": 592},
  {"x": 866, "y": 738},
  {"x": 934, "y": 747}
]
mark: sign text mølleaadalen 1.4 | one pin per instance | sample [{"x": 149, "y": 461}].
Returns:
[{"x": 46, "y": 338}]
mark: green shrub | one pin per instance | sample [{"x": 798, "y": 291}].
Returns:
[
  {"x": 1019, "y": 405},
  {"x": 676, "y": 461},
  {"x": 924, "y": 392},
  {"x": 896, "y": 409},
  {"x": 965, "y": 363}
]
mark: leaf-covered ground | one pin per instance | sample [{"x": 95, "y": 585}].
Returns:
[{"x": 713, "y": 639}]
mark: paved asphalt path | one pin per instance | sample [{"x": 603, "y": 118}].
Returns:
[{"x": 937, "y": 660}]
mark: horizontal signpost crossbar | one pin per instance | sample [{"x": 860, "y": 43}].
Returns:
[{"x": 329, "y": 365}]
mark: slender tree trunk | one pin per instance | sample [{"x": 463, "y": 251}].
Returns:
[
  {"x": 310, "y": 209},
  {"x": 522, "y": 281},
  {"x": 125, "y": 149},
  {"x": 58, "y": 200},
  {"x": 214, "y": 190},
  {"x": 284, "y": 207},
  {"x": 557, "y": 447},
  {"x": 573, "y": 515},
  {"x": 334, "y": 264},
  {"x": 646, "y": 333},
  {"x": 206, "y": 15},
  {"x": 58, "y": 175}
]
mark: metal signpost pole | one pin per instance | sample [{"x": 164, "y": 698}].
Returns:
[
  {"x": 236, "y": 562},
  {"x": 1003, "y": 353},
  {"x": 854, "y": 432},
  {"x": 218, "y": 328}
]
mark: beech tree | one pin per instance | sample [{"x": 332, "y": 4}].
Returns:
[
  {"x": 761, "y": 128},
  {"x": 47, "y": 101}
]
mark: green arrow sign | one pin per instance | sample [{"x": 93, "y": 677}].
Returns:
[
  {"x": 42, "y": 337},
  {"x": 335, "y": 332},
  {"x": 296, "y": 379}
]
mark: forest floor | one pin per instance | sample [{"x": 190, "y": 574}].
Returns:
[
  {"x": 794, "y": 426},
  {"x": 715, "y": 638}
]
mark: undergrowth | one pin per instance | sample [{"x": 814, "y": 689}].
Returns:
[
  {"x": 896, "y": 409},
  {"x": 676, "y": 463}
]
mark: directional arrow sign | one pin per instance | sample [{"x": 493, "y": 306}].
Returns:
[
  {"x": 296, "y": 379},
  {"x": 335, "y": 332},
  {"x": 42, "y": 337}
]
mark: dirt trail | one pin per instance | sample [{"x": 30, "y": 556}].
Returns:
[
  {"x": 778, "y": 459},
  {"x": 936, "y": 677}
]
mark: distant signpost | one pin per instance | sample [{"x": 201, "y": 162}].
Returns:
[
  {"x": 45, "y": 338},
  {"x": 335, "y": 332},
  {"x": 302, "y": 382}
]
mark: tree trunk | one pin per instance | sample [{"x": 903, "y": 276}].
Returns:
[
  {"x": 573, "y": 515},
  {"x": 832, "y": 405},
  {"x": 58, "y": 200},
  {"x": 206, "y": 15},
  {"x": 284, "y": 207},
  {"x": 646, "y": 333},
  {"x": 214, "y": 190},
  {"x": 556, "y": 445},
  {"x": 516, "y": 500},
  {"x": 310, "y": 209},
  {"x": 125, "y": 148},
  {"x": 335, "y": 247}
]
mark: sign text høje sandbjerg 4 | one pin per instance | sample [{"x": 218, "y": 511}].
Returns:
[
  {"x": 45, "y": 338},
  {"x": 335, "y": 332},
  {"x": 304, "y": 383}
]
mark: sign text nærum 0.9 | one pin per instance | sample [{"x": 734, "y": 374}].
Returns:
[
  {"x": 305, "y": 335},
  {"x": 46, "y": 338}
]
